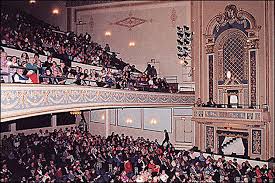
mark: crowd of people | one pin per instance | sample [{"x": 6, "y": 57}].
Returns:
[
  {"x": 72, "y": 155},
  {"x": 23, "y": 32},
  {"x": 33, "y": 70}
]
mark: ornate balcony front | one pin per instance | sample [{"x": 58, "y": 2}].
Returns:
[
  {"x": 25, "y": 100},
  {"x": 229, "y": 114}
]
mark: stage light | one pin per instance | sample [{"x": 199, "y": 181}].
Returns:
[{"x": 55, "y": 11}]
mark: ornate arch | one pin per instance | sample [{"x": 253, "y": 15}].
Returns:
[{"x": 240, "y": 29}]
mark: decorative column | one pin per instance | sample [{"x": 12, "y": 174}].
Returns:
[{"x": 253, "y": 47}]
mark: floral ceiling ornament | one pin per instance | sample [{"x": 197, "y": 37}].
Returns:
[
  {"x": 131, "y": 21},
  {"x": 230, "y": 15}
]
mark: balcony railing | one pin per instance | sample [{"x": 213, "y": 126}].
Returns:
[{"x": 25, "y": 100}]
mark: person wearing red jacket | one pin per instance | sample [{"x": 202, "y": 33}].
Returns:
[{"x": 128, "y": 168}]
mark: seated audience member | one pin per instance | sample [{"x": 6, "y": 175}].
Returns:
[
  {"x": 81, "y": 80},
  {"x": 32, "y": 68},
  {"x": 4, "y": 67},
  {"x": 49, "y": 62},
  {"x": 57, "y": 78},
  {"x": 32, "y": 65},
  {"x": 199, "y": 103},
  {"x": 46, "y": 78},
  {"x": 24, "y": 57},
  {"x": 12, "y": 63},
  {"x": 64, "y": 69},
  {"x": 165, "y": 85},
  {"x": 211, "y": 103},
  {"x": 18, "y": 77},
  {"x": 108, "y": 79}
]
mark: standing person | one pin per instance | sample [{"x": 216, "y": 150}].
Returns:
[{"x": 166, "y": 137}]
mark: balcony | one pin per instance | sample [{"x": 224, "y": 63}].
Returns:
[{"x": 26, "y": 100}]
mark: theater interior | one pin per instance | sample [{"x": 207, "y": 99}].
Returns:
[{"x": 137, "y": 91}]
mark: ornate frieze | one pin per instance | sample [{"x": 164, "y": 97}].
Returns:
[{"x": 21, "y": 100}]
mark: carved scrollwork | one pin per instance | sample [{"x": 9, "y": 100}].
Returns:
[{"x": 231, "y": 15}]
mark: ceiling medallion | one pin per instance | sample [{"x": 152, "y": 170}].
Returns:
[{"x": 130, "y": 21}]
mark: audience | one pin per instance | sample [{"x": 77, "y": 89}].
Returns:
[
  {"x": 24, "y": 32},
  {"x": 76, "y": 156}
]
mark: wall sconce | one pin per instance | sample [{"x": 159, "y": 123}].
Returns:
[
  {"x": 103, "y": 117},
  {"x": 132, "y": 43},
  {"x": 129, "y": 120},
  {"x": 108, "y": 33},
  {"x": 55, "y": 11},
  {"x": 153, "y": 122}
]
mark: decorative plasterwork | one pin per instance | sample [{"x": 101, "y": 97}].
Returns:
[
  {"x": 209, "y": 133},
  {"x": 19, "y": 101},
  {"x": 230, "y": 15},
  {"x": 130, "y": 21},
  {"x": 256, "y": 141}
]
